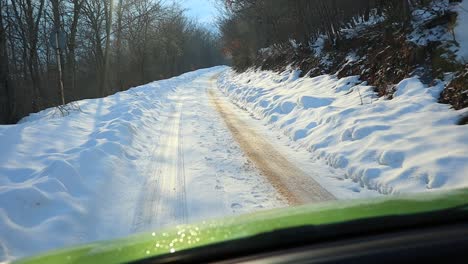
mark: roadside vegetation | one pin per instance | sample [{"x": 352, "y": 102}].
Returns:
[
  {"x": 105, "y": 46},
  {"x": 383, "y": 42}
]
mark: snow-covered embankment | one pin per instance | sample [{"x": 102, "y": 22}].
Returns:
[{"x": 407, "y": 144}]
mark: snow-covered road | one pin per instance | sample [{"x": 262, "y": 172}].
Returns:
[
  {"x": 163, "y": 197},
  {"x": 197, "y": 168},
  {"x": 155, "y": 155}
]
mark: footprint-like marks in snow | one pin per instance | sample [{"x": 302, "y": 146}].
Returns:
[{"x": 236, "y": 206}]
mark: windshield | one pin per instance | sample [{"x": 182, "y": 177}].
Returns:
[{"x": 122, "y": 117}]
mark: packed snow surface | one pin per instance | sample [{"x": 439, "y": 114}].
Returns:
[
  {"x": 408, "y": 144},
  {"x": 84, "y": 177}
]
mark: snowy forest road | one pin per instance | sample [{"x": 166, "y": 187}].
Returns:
[
  {"x": 206, "y": 162},
  {"x": 196, "y": 169}
]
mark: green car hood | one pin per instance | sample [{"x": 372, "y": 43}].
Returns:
[{"x": 191, "y": 236}]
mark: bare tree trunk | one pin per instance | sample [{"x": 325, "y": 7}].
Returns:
[
  {"x": 95, "y": 14},
  {"x": 57, "y": 29},
  {"x": 118, "y": 45},
  {"x": 45, "y": 31},
  {"x": 29, "y": 33},
  {"x": 99, "y": 63},
  {"x": 6, "y": 95},
  {"x": 108, "y": 7},
  {"x": 71, "y": 58}
]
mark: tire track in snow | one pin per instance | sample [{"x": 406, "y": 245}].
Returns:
[
  {"x": 291, "y": 182},
  {"x": 181, "y": 170},
  {"x": 149, "y": 193},
  {"x": 163, "y": 198}
]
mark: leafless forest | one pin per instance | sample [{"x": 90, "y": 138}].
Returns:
[
  {"x": 249, "y": 25},
  {"x": 103, "y": 46}
]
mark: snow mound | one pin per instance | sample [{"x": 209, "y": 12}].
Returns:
[
  {"x": 408, "y": 144},
  {"x": 61, "y": 177}
]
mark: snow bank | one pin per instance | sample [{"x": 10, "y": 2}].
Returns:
[
  {"x": 461, "y": 30},
  {"x": 61, "y": 178},
  {"x": 408, "y": 144}
]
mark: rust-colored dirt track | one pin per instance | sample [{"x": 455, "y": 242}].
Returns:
[{"x": 292, "y": 183}]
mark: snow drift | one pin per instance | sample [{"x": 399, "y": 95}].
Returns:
[
  {"x": 408, "y": 144},
  {"x": 61, "y": 178}
]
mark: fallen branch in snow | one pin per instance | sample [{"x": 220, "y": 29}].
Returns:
[{"x": 65, "y": 110}]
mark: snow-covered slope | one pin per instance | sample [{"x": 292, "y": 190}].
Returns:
[
  {"x": 407, "y": 144},
  {"x": 60, "y": 177}
]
